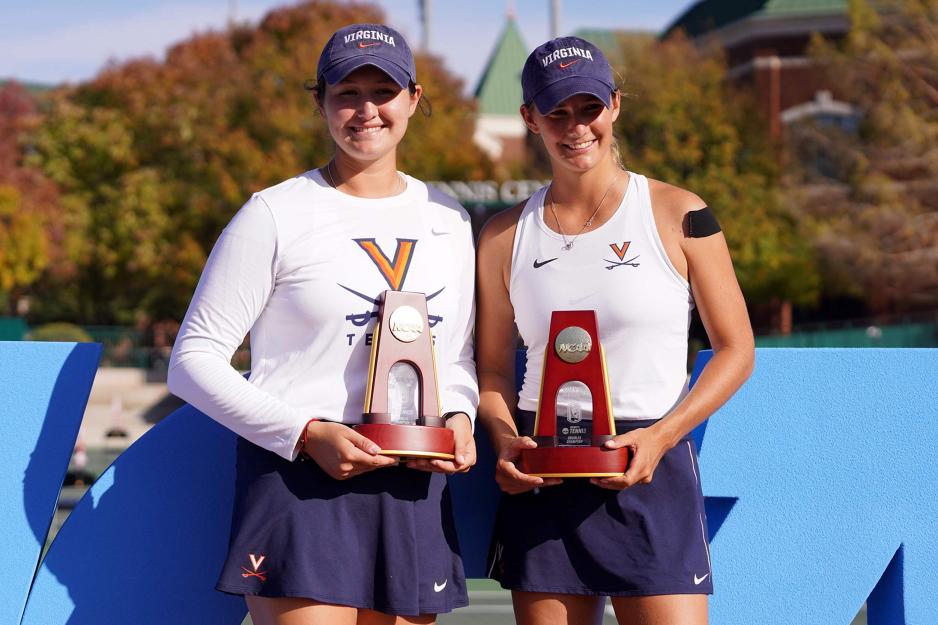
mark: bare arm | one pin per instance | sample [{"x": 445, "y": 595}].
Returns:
[
  {"x": 495, "y": 334},
  {"x": 723, "y": 312},
  {"x": 496, "y": 343},
  {"x": 706, "y": 263}
]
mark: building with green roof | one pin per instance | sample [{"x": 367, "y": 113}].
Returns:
[
  {"x": 499, "y": 129},
  {"x": 710, "y": 16},
  {"x": 765, "y": 42},
  {"x": 499, "y": 89}
]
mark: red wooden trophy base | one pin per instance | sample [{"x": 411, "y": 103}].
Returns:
[
  {"x": 573, "y": 354},
  {"x": 410, "y": 441},
  {"x": 574, "y": 461}
]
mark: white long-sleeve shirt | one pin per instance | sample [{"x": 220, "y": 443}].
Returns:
[{"x": 300, "y": 267}]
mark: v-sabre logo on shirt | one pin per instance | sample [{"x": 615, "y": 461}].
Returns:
[
  {"x": 621, "y": 251},
  {"x": 394, "y": 270}
]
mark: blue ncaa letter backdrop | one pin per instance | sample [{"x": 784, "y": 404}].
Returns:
[{"x": 819, "y": 475}]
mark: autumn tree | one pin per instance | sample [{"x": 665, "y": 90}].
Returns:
[
  {"x": 868, "y": 189},
  {"x": 30, "y": 230},
  {"x": 440, "y": 147},
  {"x": 153, "y": 158},
  {"x": 682, "y": 123},
  {"x": 23, "y": 245}
]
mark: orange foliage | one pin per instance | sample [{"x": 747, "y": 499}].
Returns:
[{"x": 175, "y": 147}]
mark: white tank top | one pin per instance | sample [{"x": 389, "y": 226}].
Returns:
[{"x": 621, "y": 271}]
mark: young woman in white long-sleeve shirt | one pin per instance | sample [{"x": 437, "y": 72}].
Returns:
[{"x": 325, "y": 528}]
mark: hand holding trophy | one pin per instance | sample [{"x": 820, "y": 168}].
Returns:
[
  {"x": 402, "y": 362},
  {"x": 574, "y": 412}
]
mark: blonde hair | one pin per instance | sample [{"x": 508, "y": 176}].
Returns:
[{"x": 616, "y": 152}]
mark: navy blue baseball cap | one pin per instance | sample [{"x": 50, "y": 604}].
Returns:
[
  {"x": 359, "y": 45},
  {"x": 565, "y": 67}
]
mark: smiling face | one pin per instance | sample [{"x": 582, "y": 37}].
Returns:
[
  {"x": 367, "y": 113},
  {"x": 578, "y": 133}
]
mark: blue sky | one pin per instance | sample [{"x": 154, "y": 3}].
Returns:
[{"x": 57, "y": 40}]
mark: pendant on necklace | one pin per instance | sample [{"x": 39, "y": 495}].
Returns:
[{"x": 567, "y": 246}]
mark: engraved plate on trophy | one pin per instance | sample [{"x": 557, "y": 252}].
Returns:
[{"x": 574, "y": 415}]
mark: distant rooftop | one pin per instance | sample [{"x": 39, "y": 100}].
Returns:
[
  {"x": 708, "y": 15},
  {"x": 32, "y": 87},
  {"x": 612, "y": 42},
  {"x": 499, "y": 90}
]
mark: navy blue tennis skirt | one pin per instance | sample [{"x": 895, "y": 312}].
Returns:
[
  {"x": 578, "y": 538},
  {"x": 384, "y": 540}
]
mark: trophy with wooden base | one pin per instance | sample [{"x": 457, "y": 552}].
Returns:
[
  {"x": 574, "y": 411},
  {"x": 402, "y": 406}
]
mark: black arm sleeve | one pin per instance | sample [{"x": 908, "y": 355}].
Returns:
[{"x": 702, "y": 223}]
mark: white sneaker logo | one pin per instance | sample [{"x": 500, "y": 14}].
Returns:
[
  {"x": 439, "y": 587},
  {"x": 697, "y": 580}
]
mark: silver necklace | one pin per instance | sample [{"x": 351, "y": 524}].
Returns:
[
  {"x": 328, "y": 171},
  {"x": 586, "y": 224}
]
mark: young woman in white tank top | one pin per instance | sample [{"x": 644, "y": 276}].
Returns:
[{"x": 602, "y": 238}]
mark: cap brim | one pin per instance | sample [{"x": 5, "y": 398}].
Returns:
[
  {"x": 550, "y": 97},
  {"x": 343, "y": 68}
]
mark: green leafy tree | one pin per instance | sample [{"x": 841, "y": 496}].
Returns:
[
  {"x": 867, "y": 190},
  {"x": 683, "y": 124},
  {"x": 118, "y": 230}
]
